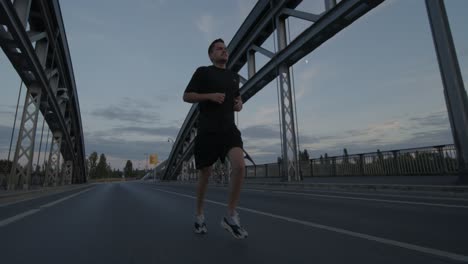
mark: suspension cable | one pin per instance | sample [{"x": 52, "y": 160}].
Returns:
[
  {"x": 275, "y": 36},
  {"x": 14, "y": 122}
]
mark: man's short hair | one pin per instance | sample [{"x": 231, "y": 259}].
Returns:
[{"x": 210, "y": 48}]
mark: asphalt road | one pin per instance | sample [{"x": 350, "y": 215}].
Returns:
[{"x": 137, "y": 222}]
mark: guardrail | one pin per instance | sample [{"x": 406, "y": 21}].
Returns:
[{"x": 435, "y": 160}]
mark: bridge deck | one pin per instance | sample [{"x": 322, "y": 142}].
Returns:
[{"x": 147, "y": 223}]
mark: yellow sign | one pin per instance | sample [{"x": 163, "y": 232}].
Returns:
[{"x": 153, "y": 159}]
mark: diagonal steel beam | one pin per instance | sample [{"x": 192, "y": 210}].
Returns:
[
  {"x": 455, "y": 94},
  {"x": 29, "y": 57},
  {"x": 331, "y": 22}
]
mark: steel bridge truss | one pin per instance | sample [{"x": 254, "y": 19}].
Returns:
[
  {"x": 32, "y": 35},
  {"x": 266, "y": 18}
]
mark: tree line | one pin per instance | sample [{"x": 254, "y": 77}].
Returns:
[{"x": 99, "y": 168}]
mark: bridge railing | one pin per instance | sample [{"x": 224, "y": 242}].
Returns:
[{"x": 434, "y": 160}]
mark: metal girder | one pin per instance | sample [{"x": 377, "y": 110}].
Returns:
[
  {"x": 329, "y": 4},
  {"x": 263, "y": 51},
  {"x": 53, "y": 166},
  {"x": 178, "y": 144},
  {"x": 288, "y": 120},
  {"x": 184, "y": 156},
  {"x": 242, "y": 79},
  {"x": 251, "y": 65},
  {"x": 454, "y": 90},
  {"x": 301, "y": 14},
  {"x": 20, "y": 175},
  {"x": 6, "y": 40},
  {"x": 255, "y": 30},
  {"x": 71, "y": 84},
  {"x": 23, "y": 7},
  {"x": 257, "y": 27},
  {"x": 68, "y": 172},
  {"x": 338, "y": 18},
  {"x": 258, "y": 20},
  {"x": 29, "y": 67},
  {"x": 51, "y": 9},
  {"x": 36, "y": 36},
  {"x": 22, "y": 162}
]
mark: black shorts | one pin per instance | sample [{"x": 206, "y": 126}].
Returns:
[{"x": 209, "y": 146}]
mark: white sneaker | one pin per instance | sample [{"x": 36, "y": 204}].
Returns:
[
  {"x": 200, "y": 226},
  {"x": 232, "y": 224}
]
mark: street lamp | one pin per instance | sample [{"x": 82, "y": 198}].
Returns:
[{"x": 170, "y": 140}]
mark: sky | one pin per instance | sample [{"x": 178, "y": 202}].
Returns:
[{"x": 374, "y": 85}]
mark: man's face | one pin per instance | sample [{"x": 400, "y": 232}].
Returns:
[{"x": 219, "y": 53}]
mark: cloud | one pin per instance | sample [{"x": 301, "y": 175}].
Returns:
[
  {"x": 463, "y": 52},
  {"x": 9, "y": 110},
  {"x": 261, "y": 132},
  {"x": 383, "y": 128},
  {"x": 438, "y": 119},
  {"x": 429, "y": 130},
  {"x": 5, "y": 135},
  {"x": 93, "y": 21},
  {"x": 146, "y": 4},
  {"x": 263, "y": 151},
  {"x": 126, "y": 149},
  {"x": 167, "y": 96},
  {"x": 140, "y": 103},
  {"x": 131, "y": 143},
  {"x": 205, "y": 23},
  {"x": 305, "y": 80},
  {"x": 159, "y": 131},
  {"x": 263, "y": 141},
  {"x": 262, "y": 116},
  {"x": 385, "y": 131},
  {"x": 130, "y": 110},
  {"x": 417, "y": 140},
  {"x": 124, "y": 114},
  {"x": 117, "y": 149}
]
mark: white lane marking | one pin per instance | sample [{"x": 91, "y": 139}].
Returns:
[
  {"x": 64, "y": 199},
  {"x": 362, "y": 199},
  {"x": 254, "y": 190},
  {"x": 427, "y": 250},
  {"x": 17, "y": 217},
  {"x": 258, "y": 189},
  {"x": 367, "y": 199},
  {"x": 32, "y": 198},
  {"x": 378, "y": 194},
  {"x": 24, "y": 200},
  {"x": 375, "y": 200}
]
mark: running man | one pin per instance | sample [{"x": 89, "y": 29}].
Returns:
[{"x": 216, "y": 89}]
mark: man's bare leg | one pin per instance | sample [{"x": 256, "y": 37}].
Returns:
[
  {"x": 204, "y": 174},
  {"x": 236, "y": 156}
]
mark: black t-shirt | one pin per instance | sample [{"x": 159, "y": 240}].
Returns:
[{"x": 215, "y": 117}]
